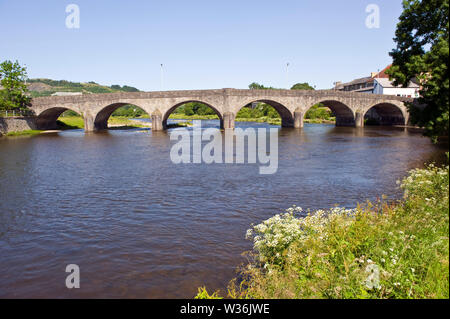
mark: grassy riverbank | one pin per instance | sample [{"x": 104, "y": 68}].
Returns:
[
  {"x": 24, "y": 133},
  {"x": 277, "y": 121},
  {"x": 114, "y": 122},
  {"x": 76, "y": 122},
  {"x": 381, "y": 250},
  {"x": 263, "y": 119},
  {"x": 70, "y": 122},
  {"x": 179, "y": 116}
]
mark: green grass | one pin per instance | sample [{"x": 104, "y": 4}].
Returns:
[
  {"x": 277, "y": 121},
  {"x": 179, "y": 116},
  {"x": 70, "y": 122},
  {"x": 263, "y": 119},
  {"x": 331, "y": 120},
  {"x": 378, "y": 250},
  {"x": 53, "y": 86},
  {"x": 24, "y": 133},
  {"x": 125, "y": 122},
  {"x": 76, "y": 122}
]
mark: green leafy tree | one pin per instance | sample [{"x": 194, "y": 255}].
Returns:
[
  {"x": 203, "y": 109},
  {"x": 257, "y": 86},
  {"x": 245, "y": 112},
  {"x": 302, "y": 86},
  {"x": 319, "y": 111},
  {"x": 127, "y": 88},
  {"x": 13, "y": 94},
  {"x": 188, "y": 110},
  {"x": 271, "y": 112},
  {"x": 422, "y": 52}
]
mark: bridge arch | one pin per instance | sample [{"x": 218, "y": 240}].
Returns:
[
  {"x": 345, "y": 116},
  {"x": 102, "y": 116},
  {"x": 386, "y": 113},
  {"x": 287, "y": 118},
  {"x": 47, "y": 119},
  {"x": 171, "y": 109}
]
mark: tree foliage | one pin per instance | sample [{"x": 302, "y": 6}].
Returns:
[
  {"x": 129, "y": 110},
  {"x": 13, "y": 93},
  {"x": 297, "y": 86},
  {"x": 193, "y": 108},
  {"x": 257, "y": 86},
  {"x": 422, "y": 52},
  {"x": 302, "y": 86},
  {"x": 260, "y": 110}
]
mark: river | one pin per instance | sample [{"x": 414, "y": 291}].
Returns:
[{"x": 139, "y": 226}]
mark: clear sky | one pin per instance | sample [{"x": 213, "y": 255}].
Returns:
[{"x": 203, "y": 44}]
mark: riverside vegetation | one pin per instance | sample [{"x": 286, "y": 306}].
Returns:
[
  {"x": 377, "y": 250},
  {"x": 261, "y": 112}
]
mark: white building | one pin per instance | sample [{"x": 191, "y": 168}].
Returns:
[
  {"x": 66, "y": 93},
  {"x": 385, "y": 86}
]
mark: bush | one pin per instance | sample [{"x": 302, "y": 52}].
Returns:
[
  {"x": 98, "y": 89},
  {"x": 128, "y": 111},
  {"x": 245, "y": 112},
  {"x": 188, "y": 110},
  {"x": 319, "y": 112}
]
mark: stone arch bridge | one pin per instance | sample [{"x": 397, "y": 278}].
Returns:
[{"x": 292, "y": 105}]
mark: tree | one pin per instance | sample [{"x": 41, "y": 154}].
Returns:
[
  {"x": 188, "y": 110},
  {"x": 422, "y": 52},
  {"x": 13, "y": 94},
  {"x": 257, "y": 86},
  {"x": 127, "y": 88},
  {"x": 302, "y": 86}
]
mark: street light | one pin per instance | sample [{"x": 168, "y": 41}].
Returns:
[
  {"x": 161, "y": 76},
  {"x": 287, "y": 75}
]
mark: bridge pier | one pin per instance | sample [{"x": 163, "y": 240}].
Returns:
[
  {"x": 228, "y": 120},
  {"x": 298, "y": 119},
  {"x": 89, "y": 122},
  {"x": 157, "y": 122},
  {"x": 359, "y": 119}
]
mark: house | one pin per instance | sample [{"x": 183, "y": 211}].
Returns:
[
  {"x": 379, "y": 83},
  {"x": 385, "y": 86},
  {"x": 363, "y": 85}
]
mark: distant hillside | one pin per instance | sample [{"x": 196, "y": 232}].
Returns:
[{"x": 46, "y": 87}]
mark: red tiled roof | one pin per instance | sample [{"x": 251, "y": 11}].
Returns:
[{"x": 382, "y": 73}]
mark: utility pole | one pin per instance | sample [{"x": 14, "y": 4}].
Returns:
[
  {"x": 161, "y": 76},
  {"x": 287, "y": 75}
]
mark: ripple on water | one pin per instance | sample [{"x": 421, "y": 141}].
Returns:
[{"x": 140, "y": 226}]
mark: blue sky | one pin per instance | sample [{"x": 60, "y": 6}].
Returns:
[{"x": 202, "y": 44}]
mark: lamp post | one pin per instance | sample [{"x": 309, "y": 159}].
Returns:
[
  {"x": 161, "y": 76},
  {"x": 287, "y": 75}
]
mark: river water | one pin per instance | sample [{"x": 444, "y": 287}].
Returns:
[{"x": 138, "y": 225}]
